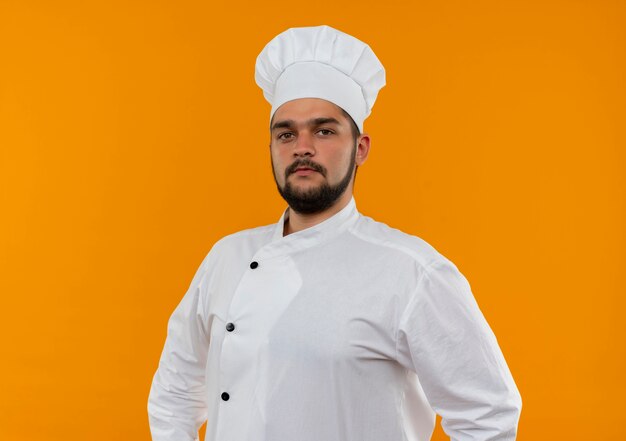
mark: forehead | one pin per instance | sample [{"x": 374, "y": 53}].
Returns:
[{"x": 304, "y": 109}]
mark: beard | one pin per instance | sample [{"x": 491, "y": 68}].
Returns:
[{"x": 317, "y": 199}]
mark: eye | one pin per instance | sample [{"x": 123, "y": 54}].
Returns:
[
  {"x": 325, "y": 132},
  {"x": 285, "y": 136}
]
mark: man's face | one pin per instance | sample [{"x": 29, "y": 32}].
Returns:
[{"x": 314, "y": 154}]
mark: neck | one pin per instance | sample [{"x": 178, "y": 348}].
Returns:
[{"x": 298, "y": 221}]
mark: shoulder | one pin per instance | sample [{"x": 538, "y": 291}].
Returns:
[
  {"x": 263, "y": 233},
  {"x": 251, "y": 238},
  {"x": 230, "y": 249},
  {"x": 394, "y": 241},
  {"x": 442, "y": 277}
]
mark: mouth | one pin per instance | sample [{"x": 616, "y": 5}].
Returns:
[{"x": 304, "y": 171}]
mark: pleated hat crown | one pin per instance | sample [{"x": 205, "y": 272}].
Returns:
[{"x": 320, "y": 62}]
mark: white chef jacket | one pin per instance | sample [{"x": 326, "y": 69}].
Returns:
[{"x": 346, "y": 331}]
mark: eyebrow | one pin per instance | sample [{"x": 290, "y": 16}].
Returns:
[{"x": 289, "y": 123}]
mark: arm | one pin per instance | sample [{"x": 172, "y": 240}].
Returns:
[
  {"x": 445, "y": 339},
  {"x": 177, "y": 401}
]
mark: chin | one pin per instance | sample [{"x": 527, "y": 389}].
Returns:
[{"x": 306, "y": 182}]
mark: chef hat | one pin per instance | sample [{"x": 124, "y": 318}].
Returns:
[{"x": 320, "y": 62}]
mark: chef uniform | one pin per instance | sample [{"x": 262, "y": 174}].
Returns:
[{"x": 349, "y": 330}]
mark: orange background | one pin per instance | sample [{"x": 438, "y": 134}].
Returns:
[{"x": 133, "y": 136}]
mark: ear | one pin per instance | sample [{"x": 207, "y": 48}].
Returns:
[{"x": 362, "y": 148}]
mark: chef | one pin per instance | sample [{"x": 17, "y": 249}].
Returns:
[{"x": 328, "y": 325}]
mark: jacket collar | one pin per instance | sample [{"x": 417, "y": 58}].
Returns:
[{"x": 322, "y": 232}]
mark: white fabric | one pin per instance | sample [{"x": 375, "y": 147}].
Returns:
[
  {"x": 346, "y": 331},
  {"x": 320, "y": 62},
  {"x": 317, "y": 80}
]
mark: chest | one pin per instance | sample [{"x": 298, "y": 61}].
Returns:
[{"x": 312, "y": 307}]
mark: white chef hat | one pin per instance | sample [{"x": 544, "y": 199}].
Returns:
[{"x": 320, "y": 62}]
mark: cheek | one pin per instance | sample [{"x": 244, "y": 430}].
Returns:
[
  {"x": 341, "y": 163},
  {"x": 277, "y": 153},
  {"x": 278, "y": 164}
]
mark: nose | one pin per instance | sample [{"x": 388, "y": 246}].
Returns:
[{"x": 304, "y": 145}]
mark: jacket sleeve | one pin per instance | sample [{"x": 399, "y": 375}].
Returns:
[
  {"x": 445, "y": 339},
  {"x": 177, "y": 402}
]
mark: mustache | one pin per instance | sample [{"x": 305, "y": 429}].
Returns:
[{"x": 305, "y": 163}]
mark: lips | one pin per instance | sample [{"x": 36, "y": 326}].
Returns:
[{"x": 304, "y": 171}]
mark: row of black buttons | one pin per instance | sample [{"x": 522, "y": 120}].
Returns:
[{"x": 230, "y": 327}]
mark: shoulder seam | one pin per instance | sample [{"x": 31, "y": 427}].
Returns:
[{"x": 386, "y": 244}]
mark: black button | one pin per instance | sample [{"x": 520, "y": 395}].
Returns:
[
  {"x": 230, "y": 327},
  {"x": 253, "y": 265},
  {"x": 225, "y": 396}
]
